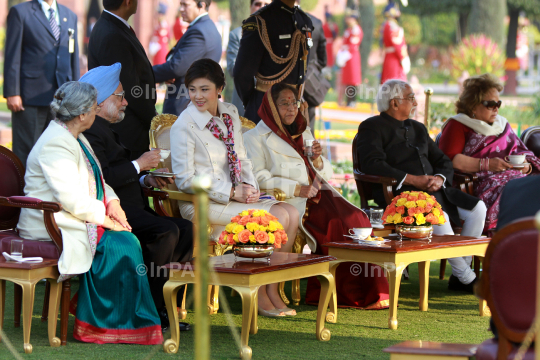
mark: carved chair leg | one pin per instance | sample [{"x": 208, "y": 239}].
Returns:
[
  {"x": 295, "y": 292},
  {"x": 281, "y": 289},
  {"x": 64, "y": 311},
  {"x": 45, "y": 311},
  {"x": 17, "y": 305},
  {"x": 442, "y": 269}
]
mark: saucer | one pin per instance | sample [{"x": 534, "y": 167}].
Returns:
[
  {"x": 519, "y": 166},
  {"x": 162, "y": 174}
]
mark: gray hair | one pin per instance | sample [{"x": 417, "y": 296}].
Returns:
[
  {"x": 73, "y": 99},
  {"x": 389, "y": 90}
]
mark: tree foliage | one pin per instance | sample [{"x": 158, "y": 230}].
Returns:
[
  {"x": 239, "y": 11},
  {"x": 487, "y": 17}
]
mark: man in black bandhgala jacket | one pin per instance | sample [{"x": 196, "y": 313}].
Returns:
[
  {"x": 392, "y": 145},
  {"x": 113, "y": 40},
  {"x": 163, "y": 239}
]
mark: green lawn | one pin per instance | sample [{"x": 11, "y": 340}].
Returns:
[{"x": 358, "y": 334}]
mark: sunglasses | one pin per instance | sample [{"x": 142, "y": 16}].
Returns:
[{"x": 491, "y": 104}]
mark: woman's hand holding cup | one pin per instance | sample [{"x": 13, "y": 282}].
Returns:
[{"x": 498, "y": 165}]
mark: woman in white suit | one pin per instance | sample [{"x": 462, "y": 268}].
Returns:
[
  {"x": 207, "y": 139},
  {"x": 276, "y": 148},
  {"x": 97, "y": 241}
]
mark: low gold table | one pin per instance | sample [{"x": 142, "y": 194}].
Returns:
[
  {"x": 27, "y": 275},
  {"x": 395, "y": 255},
  {"x": 246, "y": 276}
]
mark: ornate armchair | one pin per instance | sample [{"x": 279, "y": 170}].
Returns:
[
  {"x": 508, "y": 284},
  {"x": 26, "y": 276},
  {"x": 531, "y": 139}
]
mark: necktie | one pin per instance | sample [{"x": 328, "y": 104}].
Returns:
[{"x": 54, "y": 26}]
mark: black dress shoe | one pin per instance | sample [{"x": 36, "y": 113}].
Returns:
[
  {"x": 164, "y": 317},
  {"x": 455, "y": 285}
]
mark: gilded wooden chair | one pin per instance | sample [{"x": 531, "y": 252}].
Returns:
[
  {"x": 165, "y": 201},
  {"x": 25, "y": 276}
]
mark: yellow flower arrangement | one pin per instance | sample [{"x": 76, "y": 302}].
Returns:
[
  {"x": 414, "y": 208},
  {"x": 254, "y": 226}
]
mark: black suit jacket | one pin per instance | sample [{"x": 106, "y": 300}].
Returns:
[
  {"x": 112, "y": 41},
  {"x": 393, "y": 148},
  {"x": 201, "y": 40},
  {"x": 35, "y": 64},
  {"x": 520, "y": 198},
  {"x": 118, "y": 171}
]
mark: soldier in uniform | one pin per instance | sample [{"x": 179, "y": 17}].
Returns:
[{"x": 274, "y": 48}]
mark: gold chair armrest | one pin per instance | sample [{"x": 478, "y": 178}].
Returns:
[{"x": 277, "y": 193}]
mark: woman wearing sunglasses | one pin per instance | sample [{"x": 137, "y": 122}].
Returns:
[{"x": 478, "y": 140}]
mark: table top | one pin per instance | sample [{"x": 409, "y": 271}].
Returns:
[
  {"x": 432, "y": 348},
  {"x": 397, "y": 246},
  {"x": 278, "y": 261},
  {"x": 26, "y": 266}
]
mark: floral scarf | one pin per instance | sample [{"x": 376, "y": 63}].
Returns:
[{"x": 235, "y": 169}]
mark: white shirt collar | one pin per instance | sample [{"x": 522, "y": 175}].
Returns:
[
  {"x": 197, "y": 18},
  {"x": 46, "y": 8},
  {"x": 119, "y": 18},
  {"x": 202, "y": 118}
]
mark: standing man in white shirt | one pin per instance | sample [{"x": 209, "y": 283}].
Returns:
[
  {"x": 41, "y": 54},
  {"x": 112, "y": 41}
]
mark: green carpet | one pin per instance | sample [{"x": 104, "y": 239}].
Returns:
[{"x": 358, "y": 334}]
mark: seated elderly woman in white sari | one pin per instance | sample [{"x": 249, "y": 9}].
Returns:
[
  {"x": 114, "y": 303},
  {"x": 276, "y": 148}
]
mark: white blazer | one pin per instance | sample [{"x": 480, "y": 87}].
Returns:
[
  {"x": 276, "y": 164},
  {"x": 195, "y": 151},
  {"x": 56, "y": 171}
]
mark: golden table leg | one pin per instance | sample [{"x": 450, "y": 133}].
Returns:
[
  {"x": 2, "y": 303},
  {"x": 54, "y": 305},
  {"x": 249, "y": 299},
  {"x": 28, "y": 307},
  {"x": 328, "y": 287},
  {"x": 331, "y": 316},
  {"x": 170, "y": 292},
  {"x": 394, "y": 281},
  {"x": 423, "y": 270},
  {"x": 254, "y": 328}
]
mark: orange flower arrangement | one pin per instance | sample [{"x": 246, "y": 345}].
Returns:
[
  {"x": 414, "y": 208},
  {"x": 254, "y": 227}
]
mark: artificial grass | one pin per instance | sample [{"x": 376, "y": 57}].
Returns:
[{"x": 358, "y": 334}]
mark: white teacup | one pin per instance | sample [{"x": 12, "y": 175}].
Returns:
[
  {"x": 516, "y": 159},
  {"x": 164, "y": 153},
  {"x": 360, "y": 233}
]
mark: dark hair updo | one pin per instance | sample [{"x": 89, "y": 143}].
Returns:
[{"x": 208, "y": 69}]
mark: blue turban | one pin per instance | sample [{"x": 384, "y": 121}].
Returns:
[{"x": 105, "y": 79}]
